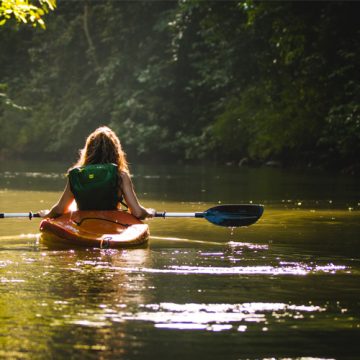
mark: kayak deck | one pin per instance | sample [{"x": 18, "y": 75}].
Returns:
[{"x": 102, "y": 229}]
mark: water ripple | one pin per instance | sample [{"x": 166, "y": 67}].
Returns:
[
  {"x": 288, "y": 269},
  {"x": 216, "y": 317},
  {"x": 209, "y": 317}
]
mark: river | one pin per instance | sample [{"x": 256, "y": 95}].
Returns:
[{"x": 285, "y": 287}]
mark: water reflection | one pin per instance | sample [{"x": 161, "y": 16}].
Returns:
[
  {"x": 288, "y": 269},
  {"x": 218, "y": 317},
  {"x": 294, "y": 275},
  {"x": 204, "y": 183},
  {"x": 70, "y": 288}
]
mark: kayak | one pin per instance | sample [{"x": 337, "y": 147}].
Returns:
[{"x": 102, "y": 229}]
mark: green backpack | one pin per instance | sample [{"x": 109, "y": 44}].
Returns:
[{"x": 95, "y": 187}]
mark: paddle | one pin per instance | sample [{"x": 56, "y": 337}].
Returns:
[{"x": 224, "y": 215}]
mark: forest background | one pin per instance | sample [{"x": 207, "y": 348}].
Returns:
[{"x": 241, "y": 82}]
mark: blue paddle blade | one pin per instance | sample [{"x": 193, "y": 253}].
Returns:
[{"x": 234, "y": 215}]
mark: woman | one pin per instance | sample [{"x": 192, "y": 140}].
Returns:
[{"x": 100, "y": 179}]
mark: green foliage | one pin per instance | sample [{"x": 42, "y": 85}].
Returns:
[
  {"x": 187, "y": 80},
  {"x": 23, "y": 11},
  {"x": 341, "y": 135}
]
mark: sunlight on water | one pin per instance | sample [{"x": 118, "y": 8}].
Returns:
[
  {"x": 288, "y": 269},
  {"x": 235, "y": 244},
  {"x": 35, "y": 175},
  {"x": 20, "y": 237},
  {"x": 272, "y": 289},
  {"x": 194, "y": 241},
  {"x": 294, "y": 269},
  {"x": 216, "y": 317},
  {"x": 4, "y": 280},
  {"x": 210, "y": 317}
]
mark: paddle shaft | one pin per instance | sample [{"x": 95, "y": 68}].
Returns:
[
  {"x": 165, "y": 214},
  {"x": 29, "y": 215},
  {"x": 158, "y": 214}
]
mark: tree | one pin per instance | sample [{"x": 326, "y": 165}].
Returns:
[
  {"x": 187, "y": 80},
  {"x": 25, "y": 11}
]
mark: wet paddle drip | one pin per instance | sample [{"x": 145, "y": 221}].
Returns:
[{"x": 105, "y": 240}]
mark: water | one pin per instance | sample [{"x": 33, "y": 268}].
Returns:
[{"x": 285, "y": 287}]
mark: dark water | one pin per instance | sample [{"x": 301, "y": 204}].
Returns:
[{"x": 286, "y": 287}]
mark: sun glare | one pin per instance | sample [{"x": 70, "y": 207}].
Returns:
[{"x": 73, "y": 206}]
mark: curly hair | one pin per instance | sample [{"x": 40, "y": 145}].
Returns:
[{"x": 103, "y": 146}]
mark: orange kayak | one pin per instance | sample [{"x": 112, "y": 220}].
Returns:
[{"x": 102, "y": 229}]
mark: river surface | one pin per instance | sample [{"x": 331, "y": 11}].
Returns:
[{"x": 285, "y": 287}]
